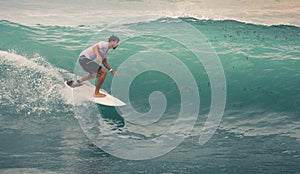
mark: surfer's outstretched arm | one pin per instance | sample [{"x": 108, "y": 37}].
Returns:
[{"x": 104, "y": 62}]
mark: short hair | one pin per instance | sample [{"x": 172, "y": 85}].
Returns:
[{"x": 113, "y": 38}]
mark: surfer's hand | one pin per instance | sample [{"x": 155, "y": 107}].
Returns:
[{"x": 114, "y": 73}]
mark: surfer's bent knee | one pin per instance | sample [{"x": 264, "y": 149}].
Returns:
[{"x": 102, "y": 72}]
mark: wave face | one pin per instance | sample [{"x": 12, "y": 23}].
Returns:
[{"x": 259, "y": 131}]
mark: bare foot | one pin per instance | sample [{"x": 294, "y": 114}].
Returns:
[{"x": 99, "y": 95}]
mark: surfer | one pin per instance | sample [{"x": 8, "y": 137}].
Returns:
[{"x": 98, "y": 51}]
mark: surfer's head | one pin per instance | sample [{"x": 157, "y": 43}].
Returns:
[{"x": 114, "y": 41}]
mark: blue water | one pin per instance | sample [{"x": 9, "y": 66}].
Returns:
[{"x": 259, "y": 131}]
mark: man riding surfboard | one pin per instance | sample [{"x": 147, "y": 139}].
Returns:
[{"x": 98, "y": 51}]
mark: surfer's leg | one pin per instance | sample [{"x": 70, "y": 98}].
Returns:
[
  {"x": 84, "y": 78},
  {"x": 88, "y": 77},
  {"x": 89, "y": 66},
  {"x": 102, "y": 73}
]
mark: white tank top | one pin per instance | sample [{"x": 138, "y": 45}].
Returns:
[{"x": 103, "y": 51}]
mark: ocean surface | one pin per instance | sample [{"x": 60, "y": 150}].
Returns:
[{"x": 166, "y": 46}]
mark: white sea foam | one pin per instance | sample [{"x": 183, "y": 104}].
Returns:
[{"x": 48, "y": 81}]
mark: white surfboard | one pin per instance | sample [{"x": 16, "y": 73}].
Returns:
[{"x": 86, "y": 91}]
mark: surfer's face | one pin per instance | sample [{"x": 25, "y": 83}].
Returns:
[{"x": 115, "y": 44}]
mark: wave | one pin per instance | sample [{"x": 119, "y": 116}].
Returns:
[
  {"x": 38, "y": 91},
  {"x": 260, "y": 64},
  {"x": 79, "y": 29}
]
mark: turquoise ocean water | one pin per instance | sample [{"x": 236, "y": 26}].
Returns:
[{"x": 259, "y": 131}]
